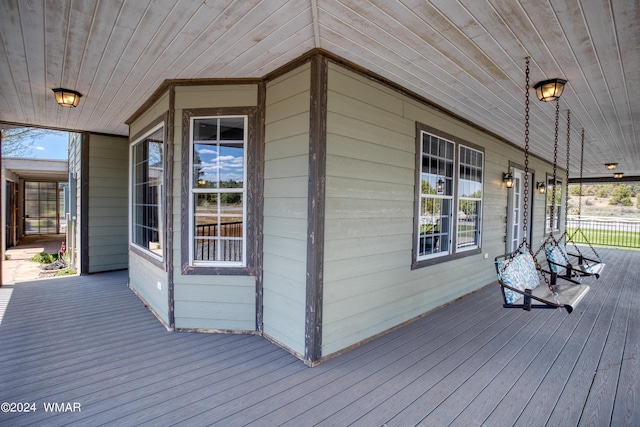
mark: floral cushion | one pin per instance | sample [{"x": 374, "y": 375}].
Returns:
[
  {"x": 520, "y": 273},
  {"x": 557, "y": 257}
]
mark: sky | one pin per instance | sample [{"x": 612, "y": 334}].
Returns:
[{"x": 51, "y": 146}]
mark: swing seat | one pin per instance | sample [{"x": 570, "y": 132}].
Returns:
[
  {"x": 522, "y": 288},
  {"x": 559, "y": 261}
]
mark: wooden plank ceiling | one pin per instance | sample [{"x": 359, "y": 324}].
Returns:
[{"x": 467, "y": 56}]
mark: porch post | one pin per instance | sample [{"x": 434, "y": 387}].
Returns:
[{"x": 316, "y": 205}]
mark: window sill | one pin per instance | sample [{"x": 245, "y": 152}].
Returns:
[
  {"x": 191, "y": 270},
  {"x": 445, "y": 258}
]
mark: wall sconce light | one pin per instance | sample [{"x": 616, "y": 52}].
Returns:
[
  {"x": 549, "y": 90},
  {"x": 440, "y": 186},
  {"x": 618, "y": 175},
  {"x": 610, "y": 166},
  {"x": 541, "y": 187},
  {"x": 67, "y": 97},
  {"x": 507, "y": 177}
]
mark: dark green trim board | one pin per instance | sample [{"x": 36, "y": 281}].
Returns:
[
  {"x": 168, "y": 214},
  {"x": 316, "y": 206},
  {"x": 258, "y": 187}
]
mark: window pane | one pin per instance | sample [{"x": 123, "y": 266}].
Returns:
[
  {"x": 205, "y": 165},
  {"x": 205, "y": 130},
  {"x": 231, "y": 249},
  {"x": 231, "y": 227},
  {"x": 231, "y": 165},
  {"x": 468, "y": 223},
  {"x": 232, "y": 129},
  {"x": 204, "y": 249},
  {"x": 437, "y": 179},
  {"x": 147, "y": 177},
  {"x": 470, "y": 198},
  {"x": 231, "y": 204},
  {"x": 206, "y": 204},
  {"x": 206, "y": 227},
  {"x": 218, "y": 176}
]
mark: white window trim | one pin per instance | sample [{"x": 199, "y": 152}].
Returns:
[
  {"x": 437, "y": 196},
  {"x": 453, "y": 252},
  {"x": 192, "y": 191},
  {"x": 481, "y": 199},
  {"x": 161, "y": 202}
]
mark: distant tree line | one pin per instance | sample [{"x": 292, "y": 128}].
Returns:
[{"x": 618, "y": 194}]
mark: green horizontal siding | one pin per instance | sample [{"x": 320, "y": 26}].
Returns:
[
  {"x": 285, "y": 208},
  {"x": 369, "y": 286},
  {"x": 108, "y": 203}
]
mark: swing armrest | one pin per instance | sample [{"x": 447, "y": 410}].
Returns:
[
  {"x": 523, "y": 302},
  {"x": 568, "y": 296},
  {"x": 581, "y": 258},
  {"x": 570, "y": 270},
  {"x": 555, "y": 276},
  {"x": 587, "y": 266}
]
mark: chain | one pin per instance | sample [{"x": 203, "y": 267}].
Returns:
[
  {"x": 524, "y": 243},
  {"x": 581, "y": 167},
  {"x": 526, "y": 152},
  {"x": 566, "y": 198},
  {"x": 552, "y": 212},
  {"x": 526, "y": 172}
]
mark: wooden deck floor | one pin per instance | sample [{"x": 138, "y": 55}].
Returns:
[{"x": 90, "y": 340}]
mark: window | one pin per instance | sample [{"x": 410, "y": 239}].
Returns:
[
  {"x": 147, "y": 196},
  {"x": 449, "y": 194},
  {"x": 436, "y": 197},
  {"x": 41, "y": 208},
  {"x": 469, "y": 198},
  {"x": 553, "y": 205},
  {"x": 217, "y": 191}
]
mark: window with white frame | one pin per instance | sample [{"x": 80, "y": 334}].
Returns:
[
  {"x": 449, "y": 198},
  {"x": 217, "y": 190},
  {"x": 147, "y": 195},
  {"x": 436, "y": 197},
  {"x": 469, "y": 198}
]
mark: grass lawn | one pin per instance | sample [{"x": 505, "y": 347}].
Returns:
[{"x": 624, "y": 239}]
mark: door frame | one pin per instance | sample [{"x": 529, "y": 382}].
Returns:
[{"x": 516, "y": 193}]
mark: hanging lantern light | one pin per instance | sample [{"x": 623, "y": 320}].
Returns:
[
  {"x": 67, "y": 97},
  {"x": 440, "y": 186},
  {"x": 507, "y": 177},
  {"x": 549, "y": 90}
]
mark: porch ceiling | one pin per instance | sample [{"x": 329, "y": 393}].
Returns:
[{"x": 466, "y": 56}]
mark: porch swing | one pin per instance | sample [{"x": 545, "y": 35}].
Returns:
[
  {"x": 520, "y": 276},
  {"x": 571, "y": 265}
]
